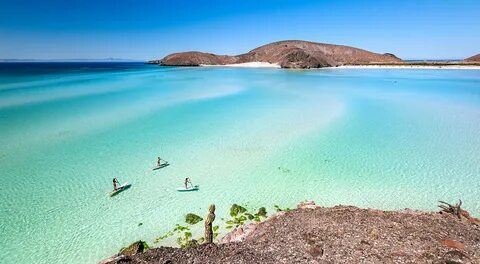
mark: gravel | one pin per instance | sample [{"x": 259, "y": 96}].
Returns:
[{"x": 341, "y": 234}]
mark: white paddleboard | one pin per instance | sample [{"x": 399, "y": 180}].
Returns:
[
  {"x": 189, "y": 189},
  {"x": 161, "y": 166},
  {"x": 121, "y": 188}
]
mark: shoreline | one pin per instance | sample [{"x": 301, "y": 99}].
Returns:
[
  {"x": 255, "y": 64},
  {"x": 258, "y": 64},
  {"x": 407, "y": 66}
]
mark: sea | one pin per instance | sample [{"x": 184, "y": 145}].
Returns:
[{"x": 374, "y": 138}]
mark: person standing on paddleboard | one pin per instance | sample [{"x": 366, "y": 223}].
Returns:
[
  {"x": 115, "y": 182},
  {"x": 187, "y": 181},
  {"x": 159, "y": 161}
]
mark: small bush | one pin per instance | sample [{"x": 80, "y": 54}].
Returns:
[{"x": 192, "y": 219}]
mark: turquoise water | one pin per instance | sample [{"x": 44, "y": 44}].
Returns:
[{"x": 379, "y": 138}]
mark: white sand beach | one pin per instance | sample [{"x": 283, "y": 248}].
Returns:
[
  {"x": 259, "y": 64},
  {"x": 255, "y": 64}
]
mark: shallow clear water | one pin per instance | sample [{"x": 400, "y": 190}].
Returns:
[{"x": 380, "y": 138}]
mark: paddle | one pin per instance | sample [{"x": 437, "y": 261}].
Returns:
[
  {"x": 165, "y": 162},
  {"x": 191, "y": 184},
  {"x": 117, "y": 186}
]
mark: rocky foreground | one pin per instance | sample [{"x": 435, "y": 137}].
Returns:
[
  {"x": 286, "y": 54},
  {"x": 341, "y": 234}
]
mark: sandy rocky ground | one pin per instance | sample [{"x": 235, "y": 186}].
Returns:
[{"x": 341, "y": 234}]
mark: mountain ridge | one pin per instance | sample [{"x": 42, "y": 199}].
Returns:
[
  {"x": 287, "y": 54},
  {"x": 474, "y": 58}
]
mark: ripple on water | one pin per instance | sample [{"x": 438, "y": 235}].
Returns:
[{"x": 256, "y": 137}]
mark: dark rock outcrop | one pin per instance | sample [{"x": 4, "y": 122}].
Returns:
[
  {"x": 126, "y": 253},
  {"x": 134, "y": 248},
  {"x": 475, "y": 58},
  {"x": 287, "y": 54},
  {"x": 341, "y": 234}
]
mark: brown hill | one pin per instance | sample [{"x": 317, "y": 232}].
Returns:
[
  {"x": 287, "y": 54},
  {"x": 475, "y": 58}
]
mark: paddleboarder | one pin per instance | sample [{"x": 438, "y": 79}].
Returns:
[
  {"x": 159, "y": 161},
  {"x": 187, "y": 181},
  {"x": 115, "y": 183}
]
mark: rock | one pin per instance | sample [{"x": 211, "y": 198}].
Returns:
[
  {"x": 307, "y": 205},
  {"x": 376, "y": 212},
  {"x": 340, "y": 234},
  {"x": 134, "y": 248},
  {"x": 301, "y": 59},
  {"x": 474, "y": 220},
  {"x": 456, "y": 257},
  {"x": 453, "y": 244},
  {"x": 391, "y": 56},
  {"x": 113, "y": 259},
  {"x": 239, "y": 233},
  {"x": 315, "y": 251},
  {"x": 411, "y": 211},
  {"x": 125, "y": 253}
]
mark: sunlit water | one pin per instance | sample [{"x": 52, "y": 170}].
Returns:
[{"x": 386, "y": 138}]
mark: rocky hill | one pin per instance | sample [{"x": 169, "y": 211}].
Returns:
[
  {"x": 341, "y": 234},
  {"x": 287, "y": 54},
  {"x": 475, "y": 58}
]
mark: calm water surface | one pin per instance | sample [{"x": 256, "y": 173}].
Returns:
[{"x": 380, "y": 138}]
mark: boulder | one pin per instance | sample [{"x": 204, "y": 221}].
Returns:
[
  {"x": 307, "y": 205},
  {"x": 453, "y": 244},
  {"x": 134, "y": 248},
  {"x": 239, "y": 233}
]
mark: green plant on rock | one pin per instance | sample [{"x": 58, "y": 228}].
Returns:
[
  {"x": 240, "y": 215},
  {"x": 185, "y": 237},
  {"x": 192, "y": 219},
  {"x": 278, "y": 209},
  {"x": 215, "y": 231},
  {"x": 262, "y": 212},
  {"x": 134, "y": 248},
  {"x": 186, "y": 240}
]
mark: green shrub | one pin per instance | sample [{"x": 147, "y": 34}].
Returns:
[
  {"x": 278, "y": 209},
  {"x": 240, "y": 215},
  {"x": 184, "y": 238},
  {"x": 192, "y": 219}
]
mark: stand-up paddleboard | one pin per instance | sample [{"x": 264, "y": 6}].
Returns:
[
  {"x": 120, "y": 189},
  {"x": 189, "y": 189},
  {"x": 161, "y": 166}
]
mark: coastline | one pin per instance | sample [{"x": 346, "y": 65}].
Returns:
[
  {"x": 255, "y": 64},
  {"x": 406, "y": 66},
  {"x": 258, "y": 64},
  {"x": 300, "y": 54}
]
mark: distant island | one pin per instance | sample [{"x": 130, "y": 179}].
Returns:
[
  {"x": 475, "y": 58},
  {"x": 298, "y": 54},
  {"x": 285, "y": 54}
]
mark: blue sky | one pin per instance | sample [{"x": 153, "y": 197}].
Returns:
[{"x": 148, "y": 29}]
